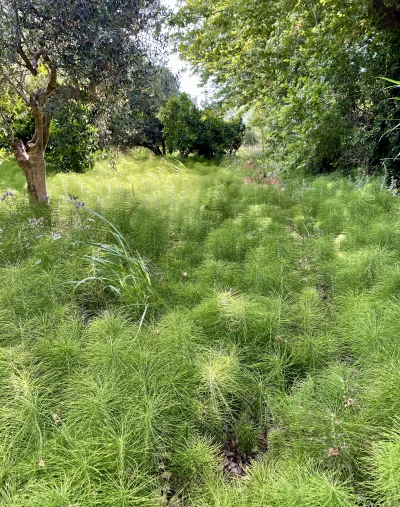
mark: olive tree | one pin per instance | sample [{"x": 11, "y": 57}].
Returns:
[
  {"x": 134, "y": 120},
  {"x": 87, "y": 48}
]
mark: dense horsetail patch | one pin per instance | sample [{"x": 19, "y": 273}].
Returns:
[{"x": 233, "y": 344}]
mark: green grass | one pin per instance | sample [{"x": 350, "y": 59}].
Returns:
[{"x": 182, "y": 316}]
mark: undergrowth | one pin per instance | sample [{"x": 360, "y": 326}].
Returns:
[{"x": 173, "y": 334}]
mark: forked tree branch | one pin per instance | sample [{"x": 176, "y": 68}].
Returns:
[{"x": 28, "y": 64}]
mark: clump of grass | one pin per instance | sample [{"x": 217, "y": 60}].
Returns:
[
  {"x": 359, "y": 270},
  {"x": 320, "y": 419},
  {"x": 247, "y": 435},
  {"x": 277, "y": 483},
  {"x": 220, "y": 274},
  {"x": 57, "y": 346},
  {"x": 367, "y": 328},
  {"x": 251, "y": 322},
  {"x": 27, "y": 289},
  {"x": 193, "y": 460},
  {"x": 272, "y": 268},
  {"x": 311, "y": 352},
  {"x": 221, "y": 382},
  {"x": 385, "y": 465},
  {"x": 380, "y": 395},
  {"x": 116, "y": 270}
]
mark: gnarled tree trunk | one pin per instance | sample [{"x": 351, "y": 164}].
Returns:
[{"x": 31, "y": 159}]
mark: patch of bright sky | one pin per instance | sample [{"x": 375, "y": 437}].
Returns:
[{"x": 189, "y": 82}]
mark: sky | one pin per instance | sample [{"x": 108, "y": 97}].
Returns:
[{"x": 189, "y": 82}]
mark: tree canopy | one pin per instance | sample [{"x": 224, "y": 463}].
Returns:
[
  {"x": 90, "y": 49},
  {"x": 134, "y": 121},
  {"x": 308, "y": 69}
]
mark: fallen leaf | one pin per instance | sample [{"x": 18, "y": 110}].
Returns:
[
  {"x": 41, "y": 463},
  {"x": 349, "y": 402},
  {"x": 56, "y": 418},
  {"x": 333, "y": 452},
  {"x": 184, "y": 274}
]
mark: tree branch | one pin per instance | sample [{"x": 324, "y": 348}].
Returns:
[
  {"x": 52, "y": 84},
  {"x": 28, "y": 64},
  {"x": 46, "y": 130},
  {"x": 21, "y": 155},
  {"x": 37, "y": 142},
  {"x": 36, "y": 58},
  {"x": 16, "y": 88},
  {"x": 37, "y": 98},
  {"x": 32, "y": 66}
]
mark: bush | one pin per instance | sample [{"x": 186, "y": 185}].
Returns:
[
  {"x": 73, "y": 143},
  {"x": 188, "y": 130}
]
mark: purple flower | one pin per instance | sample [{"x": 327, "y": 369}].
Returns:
[
  {"x": 45, "y": 197},
  {"x": 36, "y": 221},
  {"x": 4, "y": 196},
  {"x": 80, "y": 203}
]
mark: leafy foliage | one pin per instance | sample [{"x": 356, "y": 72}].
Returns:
[
  {"x": 74, "y": 141},
  {"x": 188, "y": 130},
  {"x": 93, "y": 49},
  {"x": 306, "y": 71},
  {"x": 133, "y": 121}
]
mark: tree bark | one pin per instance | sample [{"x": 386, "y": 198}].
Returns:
[
  {"x": 33, "y": 166},
  {"x": 30, "y": 158}
]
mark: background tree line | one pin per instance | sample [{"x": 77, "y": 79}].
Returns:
[{"x": 308, "y": 72}]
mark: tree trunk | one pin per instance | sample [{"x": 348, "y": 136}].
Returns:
[
  {"x": 33, "y": 166},
  {"x": 30, "y": 158}
]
